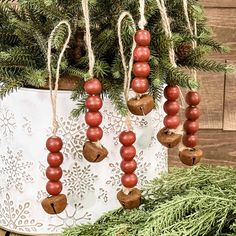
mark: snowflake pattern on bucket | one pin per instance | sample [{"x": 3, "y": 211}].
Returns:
[
  {"x": 17, "y": 217},
  {"x": 90, "y": 188},
  {"x": 16, "y": 170}
]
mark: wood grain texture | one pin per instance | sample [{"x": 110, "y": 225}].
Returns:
[
  {"x": 223, "y": 22},
  {"x": 219, "y": 3},
  {"x": 229, "y": 122},
  {"x": 218, "y": 147}
]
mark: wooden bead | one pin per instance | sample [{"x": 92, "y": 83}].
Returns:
[
  {"x": 141, "y": 54},
  {"x": 142, "y": 106},
  {"x": 140, "y": 85},
  {"x": 54, "y": 188},
  {"x": 127, "y": 138},
  {"x": 191, "y": 127},
  {"x": 171, "y": 108},
  {"x": 171, "y": 93},
  {"x": 141, "y": 69},
  {"x": 54, "y": 174},
  {"x": 94, "y": 134},
  {"x": 54, "y": 204},
  {"x": 54, "y": 144},
  {"x": 143, "y": 37},
  {"x": 193, "y": 98},
  {"x": 93, "y": 87},
  {"x": 190, "y": 140},
  {"x": 171, "y": 122},
  {"x": 128, "y": 166},
  {"x": 94, "y": 153},
  {"x": 130, "y": 201},
  {"x": 93, "y": 103},
  {"x": 55, "y": 159},
  {"x": 129, "y": 180},
  {"x": 191, "y": 157},
  {"x": 128, "y": 153},
  {"x": 168, "y": 139},
  {"x": 192, "y": 113},
  {"x": 93, "y": 119}
]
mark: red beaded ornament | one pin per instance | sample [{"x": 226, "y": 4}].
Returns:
[
  {"x": 172, "y": 119},
  {"x": 191, "y": 155},
  {"x": 93, "y": 119},
  {"x": 141, "y": 70},
  {"x": 129, "y": 196},
  {"x": 54, "y": 171}
]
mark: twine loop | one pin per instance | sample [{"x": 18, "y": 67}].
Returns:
[
  {"x": 88, "y": 38},
  {"x": 53, "y": 92},
  {"x": 142, "y": 21}
]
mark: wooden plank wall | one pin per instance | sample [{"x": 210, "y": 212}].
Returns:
[{"x": 219, "y": 95}]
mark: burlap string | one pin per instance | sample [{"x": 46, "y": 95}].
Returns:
[{"x": 53, "y": 92}]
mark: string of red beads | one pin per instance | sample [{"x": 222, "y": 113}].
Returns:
[
  {"x": 191, "y": 125},
  {"x": 54, "y": 171},
  {"x": 141, "y": 68},
  {"x": 171, "y": 107},
  {"x": 93, "y": 117},
  {"x": 128, "y": 164}
]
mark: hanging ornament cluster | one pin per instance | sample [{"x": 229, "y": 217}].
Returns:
[
  {"x": 191, "y": 155},
  {"x": 167, "y": 136},
  {"x": 143, "y": 103},
  {"x": 56, "y": 202},
  {"x": 130, "y": 197},
  {"x": 93, "y": 151}
]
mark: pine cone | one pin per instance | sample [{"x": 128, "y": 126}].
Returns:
[{"x": 184, "y": 50}]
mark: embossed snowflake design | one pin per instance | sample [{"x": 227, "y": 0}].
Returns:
[
  {"x": 15, "y": 170},
  {"x": 7, "y": 122},
  {"x": 27, "y": 127},
  {"x": 67, "y": 219},
  {"x": 79, "y": 180},
  {"x": 162, "y": 160},
  {"x": 15, "y": 217},
  {"x": 115, "y": 123},
  {"x": 73, "y": 133},
  {"x": 103, "y": 195},
  {"x": 141, "y": 171}
]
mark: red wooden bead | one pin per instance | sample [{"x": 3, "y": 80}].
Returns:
[
  {"x": 94, "y": 134},
  {"x": 128, "y": 153},
  {"x": 171, "y": 107},
  {"x": 171, "y": 122},
  {"x": 127, "y": 138},
  {"x": 143, "y": 37},
  {"x": 55, "y": 159},
  {"x": 141, "y": 69},
  {"x": 193, "y": 98},
  {"x": 190, "y": 140},
  {"x": 93, "y": 119},
  {"x": 54, "y": 144},
  {"x": 93, "y": 103},
  {"x": 93, "y": 87},
  {"x": 54, "y": 188},
  {"x": 191, "y": 127},
  {"x": 171, "y": 93},
  {"x": 54, "y": 174},
  {"x": 140, "y": 85},
  {"x": 129, "y": 180},
  {"x": 128, "y": 166},
  {"x": 141, "y": 54},
  {"x": 192, "y": 113}
]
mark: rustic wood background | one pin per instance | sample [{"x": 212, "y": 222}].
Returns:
[{"x": 218, "y": 122}]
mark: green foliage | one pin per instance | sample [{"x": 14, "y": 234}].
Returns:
[
  {"x": 198, "y": 201},
  {"x": 25, "y": 29}
]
